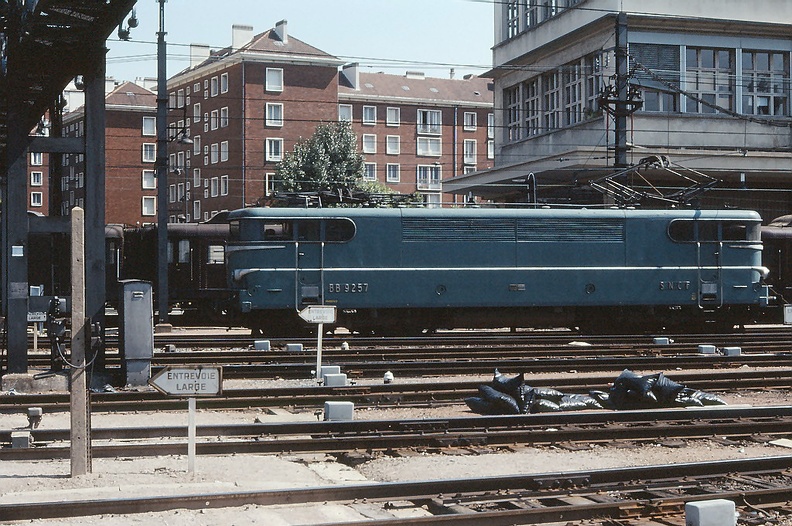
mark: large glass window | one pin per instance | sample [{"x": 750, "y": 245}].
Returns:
[
  {"x": 429, "y": 146},
  {"x": 709, "y": 76},
  {"x": 430, "y": 121},
  {"x": 511, "y": 100},
  {"x": 765, "y": 77},
  {"x": 552, "y": 101},
  {"x": 428, "y": 178},
  {"x": 573, "y": 94}
]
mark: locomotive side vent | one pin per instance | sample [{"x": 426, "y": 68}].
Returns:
[
  {"x": 588, "y": 230},
  {"x": 458, "y": 230}
]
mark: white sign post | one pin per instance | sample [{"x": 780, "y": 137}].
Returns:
[
  {"x": 319, "y": 314},
  {"x": 191, "y": 382}
]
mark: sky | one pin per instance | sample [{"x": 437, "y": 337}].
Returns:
[{"x": 393, "y": 36}]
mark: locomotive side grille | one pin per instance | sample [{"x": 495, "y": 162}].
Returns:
[
  {"x": 458, "y": 230},
  {"x": 588, "y": 230}
]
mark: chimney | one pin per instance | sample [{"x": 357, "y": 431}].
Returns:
[
  {"x": 240, "y": 35},
  {"x": 281, "y": 32},
  {"x": 351, "y": 72},
  {"x": 198, "y": 53},
  {"x": 452, "y": 73}
]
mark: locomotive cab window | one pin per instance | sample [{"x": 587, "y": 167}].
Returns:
[
  {"x": 215, "y": 255},
  {"x": 339, "y": 230},
  {"x": 277, "y": 231},
  {"x": 692, "y": 231},
  {"x": 308, "y": 230}
]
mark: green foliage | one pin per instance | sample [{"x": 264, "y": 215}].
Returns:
[{"x": 328, "y": 160}]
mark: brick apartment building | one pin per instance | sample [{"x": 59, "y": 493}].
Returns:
[
  {"x": 247, "y": 105},
  {"x": 130, "y": 155}
]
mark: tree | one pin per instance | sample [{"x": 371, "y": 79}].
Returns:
[{"x": 327, "y": 161}]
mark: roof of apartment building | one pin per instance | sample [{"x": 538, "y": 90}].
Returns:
[
  {"x": 131, "y": 94},
  {"x": 415, "y": 86}
]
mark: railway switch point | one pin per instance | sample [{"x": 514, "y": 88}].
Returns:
[
  {"x": 21, "y": 440},
  {"x": 732, "y": 351},
  {"x": 335, "y": 380},
  {"x": 294, "y": 347},
  {"x": 34, "y": 416},
  {"x": 707, "y": 349},
  {"x": 716, "y": 512},
  {"x": 334, "y": 411},
  {"x": 261, "y": 345}
]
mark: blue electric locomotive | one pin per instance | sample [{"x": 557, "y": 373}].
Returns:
[{"x": 406, "y": 271}]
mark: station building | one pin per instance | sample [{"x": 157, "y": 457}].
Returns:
[{"x": 712, "y": 78}]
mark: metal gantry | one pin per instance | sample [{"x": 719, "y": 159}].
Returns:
[{"x": 44, "y": 44}]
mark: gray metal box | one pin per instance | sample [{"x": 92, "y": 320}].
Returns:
[
  {"x": 136, "y": 330},
  {"x": 261, "y": 345},
  {"x": 330, "y": 369},
  {"x": 716, "y": 512},
  {"x": 707, "y": 349},
  {"x": 339, "y": 410},
  {"x": 21, "y": 439},
  {"x": 294, "y": 347},
  {"x": 335, "y": 380}
]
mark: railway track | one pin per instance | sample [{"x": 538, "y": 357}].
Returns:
[
  {"x": 724, "y": 424},
  {"x": 645, "y": 495},
  {"x": 386, "y": 395}
]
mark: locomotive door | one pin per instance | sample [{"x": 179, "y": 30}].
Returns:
[
  {"x": 709, "y": 247},
  {"x": 309, "y": 274}
]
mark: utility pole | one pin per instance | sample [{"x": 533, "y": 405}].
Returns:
[
  {"x": 622, "y": 91},
  {"x": 162, "y": 175}
]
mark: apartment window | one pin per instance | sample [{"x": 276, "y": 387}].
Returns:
[
  {"x": 531, "y": 16},
  {"x": 573, "y": 94},
  {"x": 36, "y": 158},
  {"x": 552, "y": 101},
  {"x": 149, "y": 180},
  {"x": 274, "y": 150},
  {"x": 369, "y": 143},
  {"x": 392, "y": 116},
  {"x": 197, "y": 145},
  {"x": 430, "y": 121},
  {"x": 149, "y": 126},
  {"x": 197, "y": 210},
  {"x": 148, "y": 206},
  {"x": 369, "y": 115},
  {"x": 223, "y": 185},
  {"x": 172, "y": 193},
  {"x": 370, "y": 171},
  {"x": 197, "y": 112},
  {"x": 224, "y": 117},
  {"x": 223, "y": 151},
  {"x": 269, "y": 183},
  {"x": 214, "y": 87},
  {"x": 512, "y": 18},
  {"x": 428, "y": 178},
  {"x": 469, "y": 121},
  {"x": 345, "y": 112},
  {"x": 214, "y": 186},
  {"x": 214, "y": 153},
  {"x": 197, "y": 177},
  {"x": 469, "y": 151},
  {"x": 432, "y": 200},
  {"x": 180, "y": 192},
  {"x": 214, "y": 119},
  {"x": 468, "y": 169},
  {"x": 532, "y": 107},
  {"x": 431, "y": 146},
  {"x": 224, "y": 83},
  {"x": 392, "y": 173},
  {"x": 393, "y": 145},
  {"x": 36, "y": 199},
  {"x": 708, "y": 76},
  {"x": 490, "y": 126},
  {"x": 180, "y": 98},
  {"x": 274, "y": 79},
  {"x": 490, "y": 149},
  {"x": 274, "y": 114},
  {"x": 149, "y": 152},
  {"x": 511, "y": 101},
  {"x": 36, "y": 178},
  {"x": 593, "y": 65},
  {"x": 765, "y": 77}
]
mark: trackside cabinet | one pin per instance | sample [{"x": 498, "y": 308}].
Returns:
[{"x": 135, "y": 330}]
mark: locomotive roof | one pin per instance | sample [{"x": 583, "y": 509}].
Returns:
[{"x": 444, "y": 213}]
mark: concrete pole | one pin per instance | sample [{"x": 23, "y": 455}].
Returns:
[
  {"x": 80, "y": 425},
  {"x": 162, "y": 176}
]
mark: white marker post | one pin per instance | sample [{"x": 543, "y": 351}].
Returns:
[
  {"x": 319, "y": 314},
  {"x": 189, "y": 381}
]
